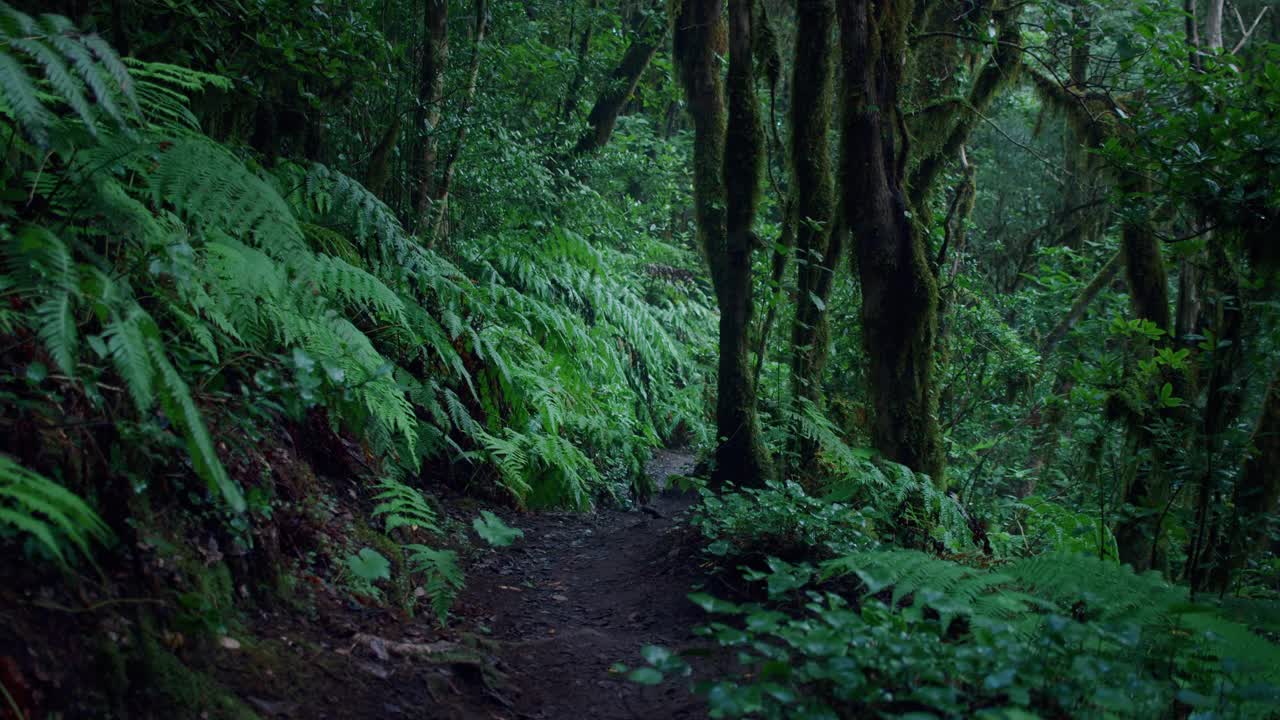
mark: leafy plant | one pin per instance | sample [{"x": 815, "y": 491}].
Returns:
[
  {"x": 443, "y": 576},
  {"x": 494, "y": 531},
  {"x": 54, "y": 517},
  {"x": 366, "y": 568}
]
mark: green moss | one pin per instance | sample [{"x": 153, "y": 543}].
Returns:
[
  {"x": 186, "y": 693},
  {"x": 112, "y": 669}
]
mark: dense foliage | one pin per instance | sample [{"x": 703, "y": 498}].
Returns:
[{"x": 968, "y": 308}]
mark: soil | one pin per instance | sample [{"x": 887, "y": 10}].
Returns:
[{"x": 533, "y": 635}]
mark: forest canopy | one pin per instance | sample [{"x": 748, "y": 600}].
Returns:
[{"x": 936, "y": 341}]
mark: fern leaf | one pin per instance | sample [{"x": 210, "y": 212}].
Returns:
[
  {"x": 50, "y": 513},
  {"x": 127, "y": 343},
  {"x": 114, "y": 67},
  {"x": 181, "y": 409},
  {"x": 59, "y": 78},
  {"x": 19, "y": 94}
]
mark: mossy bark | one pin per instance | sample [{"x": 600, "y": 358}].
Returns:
[
  {"x": 727, "y": 169},
  {"x": 426, "y": 118},
  {"x": 899, "y": 290},
  {"x": 998, "y": 72},
  {"x": 437, "y": 228},
  {"x": 818, "y": 248},
  {"x": 584, "y": 51},
  {"x": 1138, "y": 534},
  {"x": 380, "y": 161},
  {"x": 621, "y": 83},
  {"x": 1256, "y": 497}
]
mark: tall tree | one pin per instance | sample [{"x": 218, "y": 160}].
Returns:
[
  {"x": 435, "y": 57},
  {"x": 818, "y": 248},
  {"x": 726, "y": 169},
  {"x": 899, "y": 291},
  {"x": 648, "y": 29}
]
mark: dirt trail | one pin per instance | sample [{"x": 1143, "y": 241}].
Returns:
[
  {"x": 581, "y": 593},
  {"x": 532, "y": 637}
]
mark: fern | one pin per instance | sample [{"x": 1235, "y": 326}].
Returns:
[
  {"x": 53, "y": 516},
  {"x": 127, "y": 339},
  {"x": 43, "y": 268},
  {"x": 402, "y": 506},
  {"x": 213, "y": 189},
  {"x": 443, "y": 576},
  {"x": 70, "y": 64},
  {"x": 1065, "y": 585},
  {"x": 181, "y": 408}
]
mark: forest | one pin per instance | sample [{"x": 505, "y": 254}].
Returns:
[{"x": 534, "y": 359}]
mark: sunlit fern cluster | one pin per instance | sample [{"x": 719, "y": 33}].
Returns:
[{"x": 146, "y": 250}]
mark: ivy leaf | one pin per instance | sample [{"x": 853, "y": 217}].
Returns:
[
  {"x": 369, "y": 565},
  {"x": 712, "y": 604},
  {"x": 495, "y": 532},
  {"x": 645, "y": 676}
]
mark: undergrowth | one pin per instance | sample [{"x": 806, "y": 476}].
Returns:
[{"x": 856, "y": 625}]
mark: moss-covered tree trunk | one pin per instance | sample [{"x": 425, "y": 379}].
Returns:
[
  {"x": 1137, "y": 532},
  {"x": 899, "y": 291},
  {"x": 579, "y": 69},
  {"x": 817, "y": 246},
  {"x": 1223, "y": 401},
  {"x": 727, "y": 154},
  {"x": 426, "y": 118},
  {"x": 1256, "y": 497},
  {"x": 647, "y": 36},
  {"x": 1000, "y": 69}
]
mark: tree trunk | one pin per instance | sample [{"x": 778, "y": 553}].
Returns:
[
  {"x": 1256, "y": 495},
  {"x": 899, "y": 291},
  {"x": 782, "y": 250},
  {"x": 724, "y": 192},
  {"x": 1081, "y": 303},
  {"x": 579, "y": 70},
  {"x": 1149, "y": 296},
  {"x": 380, "y": 161},
  {"x": 817, "y": 247},
  {"x": 1222, "y": 408},
  {"x": 435, "y": 56},
  {"x": 441, "y": 200},
  {"x": 1000, "y": 69},
  {"x": 741, "y": 457},
  {"x": 1213, "y": 25},
  {"x": 617, "y": 89}
]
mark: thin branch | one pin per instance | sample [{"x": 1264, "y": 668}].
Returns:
[
  {"x": 1248, "y": 32},
  {"x": 1030, "y": 150}
]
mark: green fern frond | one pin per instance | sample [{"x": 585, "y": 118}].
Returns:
[
  {"x": 19, "y": 97},
  {"x": 127, "y": 339},
  {"x": 54, "y": 516},
  {"x": 59, "y": 77},
  {"x": 43, "y": 268},
  {"x": 163, "y": 92},
  {"x": 181, "y": 408},
  {"x": 70, "y": 63},
  {"x": 443, "y": 576},
  {"x": 403, "y": 506},
  {"x": 213, "y": 189}
]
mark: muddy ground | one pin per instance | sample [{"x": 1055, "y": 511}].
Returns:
[{"x": 533, "y": 635}]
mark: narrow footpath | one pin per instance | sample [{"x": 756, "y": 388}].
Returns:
[
  {"x": 581, "y": 593},
  {"x": 532, "y": 637}
]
